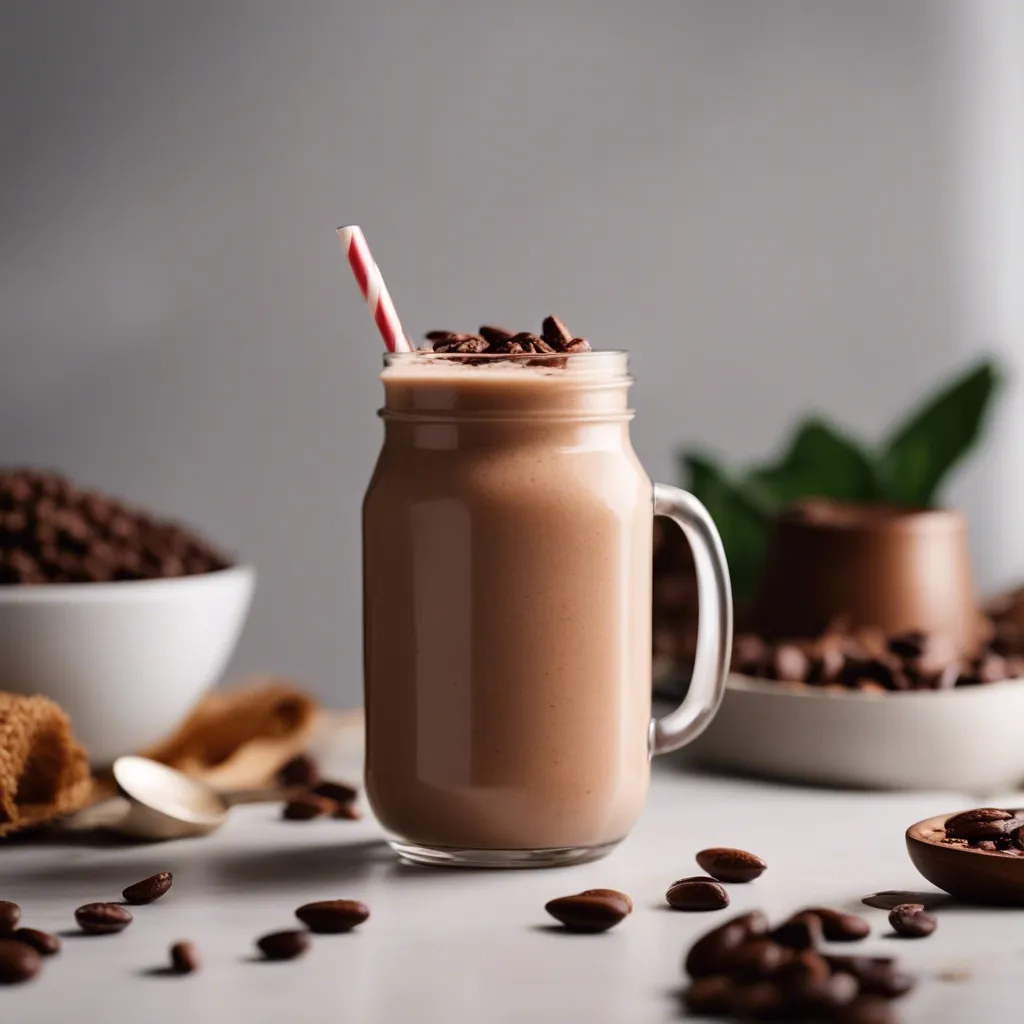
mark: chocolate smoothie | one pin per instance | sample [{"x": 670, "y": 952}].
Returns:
[{"x": 507, "y": 589}]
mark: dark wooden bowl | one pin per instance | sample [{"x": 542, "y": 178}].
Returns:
[{"x": 973, "y": 876}]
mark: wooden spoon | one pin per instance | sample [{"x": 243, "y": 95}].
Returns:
[{"x": 974, "y": 876}]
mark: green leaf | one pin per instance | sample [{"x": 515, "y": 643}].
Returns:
[
  {"x": 740, "y": 521},
  {"x": 820, "y": 463},
  {"x": 926, "y": 446}
]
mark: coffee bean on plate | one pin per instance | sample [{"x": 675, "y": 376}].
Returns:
[
  {"x": 868, "y": 1010},
  {"x": 611, "y": 894},
  {"x": 709, "y": 953},
  {"x": 912, "y": 921},
  {"x": 712, "y": 996},
  {"x": 301, "y": 770},
  {"x": 149, "y": 889},
  {"x": 184, "y": 958},
  {"x": 697, "y": 893},
  {"x": 102, "y": 918},
  {"x": 789, "y": 663},
  {"x": 43, "y": 943},
  {"x": 283, "y": 945},
  {"x": 589, "y": 914},
  {"x": 801, "y": 931},
  {"x": 332, "y": 916},
  {"x": 18, "y": 962},
  {"x": 307, "y": 807},
  {"x": 10, "y": 915},
  {"x": 339, "y": 792},
  {"x": 838, "y": 926},
  {"x": 729, "y": 865},
  {"x": 347, "y": 812}
]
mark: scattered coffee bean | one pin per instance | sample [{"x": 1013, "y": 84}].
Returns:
[
  {"x": 10, "y": 915},
  {"x": 185, "y": 958},
  {"x": 868, "y": 1010},
  {"x": 347, "y": 812},
  {"x": 755, "y": 960},
  {"x": 709, "y": 954},
  {"x": 102, "y": 918},
  {"x": 803, "y": 967},
  {"x": 587, "y": 913},
  {"x": 764, "y": 1000},
  {"x": 18, "y": 962},
  {"x": 801, "y": 931},
  {"x": 339, "y": 792},
  {"x": 878, "y": 975},
  {"x": 307, "y": 807},
  {"x": 912, "y": 921},
  {"x": 788, "y": 663},
  {"x": 712, "y": 996},
  {"x": 43, "y": 943},
  {"x": 330, "y": 917},
  {"x": 283, "y": 945},
  {"x": 301, "y": 770},
  {"x": 611, "y": 894},
  {"x": 838, "y": 926},
  {"x": 729, "y": 865},
  {"x": 149, "y": 889},
  {"x": 697, "y": 894},
  {"x": 823, "y": 997}
]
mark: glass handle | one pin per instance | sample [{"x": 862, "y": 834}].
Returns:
[{"x": 714, "y": 627}]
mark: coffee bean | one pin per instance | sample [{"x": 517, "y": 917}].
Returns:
[
  {"x": 801, "y": 931},
  {"x": 957, "y": 823},
  {"x": 805, "y": 966},
  {"x": 102, "y": 918},
  {"x": 697, "y": 894},
  {"x": 708, "y": 953},
  {"x": 754, "y": 960},
  {"x": 18, "y": 962},
  {"x": 339, "y": 792},
  {"x": 878, "y": 976},
  {"x": 577, "y": 345},
  {"x": 307, "y": 807},
  {"x": 748, "y": 654},
  {"x": 10, "y": 915},
  {"x": 332, "y": 916},
  {"x": 611, "y": 894},
  {"x": 788, "y": 663},
  {"x": 347, "y": 812},
  {"x": 838, "y": 926},
  {"x": 764, "y": 1000},
  {"x": 822, "y": 997},
  {"x": 729, "y": 865},
  {"x": 184, "y": 958},
  {"x": 555, "y": 333},
  {"x": 868, "y": 1010},
  {"x": 283, "y": 945},
  {"x": 149, "y": 889},
  {"x": 495, "y": 336},
  {"x": 713, "y": 996},
  {"x": 43, "y": 943},
  {"x": 299, "y": 771},
  {"x": 912, "y": 921},
  {"x": 587, "y": 913}
]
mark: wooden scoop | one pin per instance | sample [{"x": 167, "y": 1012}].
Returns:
[{"x": 974, "y": 876}]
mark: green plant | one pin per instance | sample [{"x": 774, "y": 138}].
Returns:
[{"x": 821, "y": 461}]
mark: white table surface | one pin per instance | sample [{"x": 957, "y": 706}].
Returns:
[{"x": 474, "y": 946}]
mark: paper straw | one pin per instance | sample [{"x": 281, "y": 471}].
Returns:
[{"x": 375, "y": 291}]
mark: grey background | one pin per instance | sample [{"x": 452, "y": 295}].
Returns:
[{"x": 774, "y": 204}]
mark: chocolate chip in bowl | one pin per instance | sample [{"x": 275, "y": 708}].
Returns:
[
  {"x": 975, "y": 855},
  {"x": 121, "y": 596}
]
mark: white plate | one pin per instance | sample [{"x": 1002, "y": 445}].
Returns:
[{"x": 966, "y": 739}]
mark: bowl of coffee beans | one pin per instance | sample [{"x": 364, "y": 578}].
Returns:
[{"x": 123, "y": 619}]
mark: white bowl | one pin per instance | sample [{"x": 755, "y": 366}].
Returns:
[
  {"x": 965, "y": 739},
  {"x": 125, "y": 660}
]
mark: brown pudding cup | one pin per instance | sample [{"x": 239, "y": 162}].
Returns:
[{"x": 891, "y": 568}]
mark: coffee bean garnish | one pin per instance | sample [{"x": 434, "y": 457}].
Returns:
[
  {"x": 149, "y": 889},
  {"x": 339, "y": 792},
  {"x": 184, "y": 958},
  {"x": 301, "y": 770},
  {"x": 102, "y": 918},
  {"x": 697, "y": 893},
  {"x": 912, "y": 921},
  {"x": 10, "y": 915},
  {"x": 587, "y": 914},
  {"x": 18, "y": 962},
  {"x": 554, "y": 337},
  {"x": 838, "y": 926},
  {"x": 332, "y": 916},
  {"x": 709, "y": 954},
  {"x": 612, "y": 894},
  {"x": 307, "y": 807},
  {"x": 43, "y": 943},
  {"x": 729, "y": 865},
  {"x": 283, "y": 945}
]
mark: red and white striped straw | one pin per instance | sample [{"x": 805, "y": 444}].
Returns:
[{"x": 375, "y": 291}]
